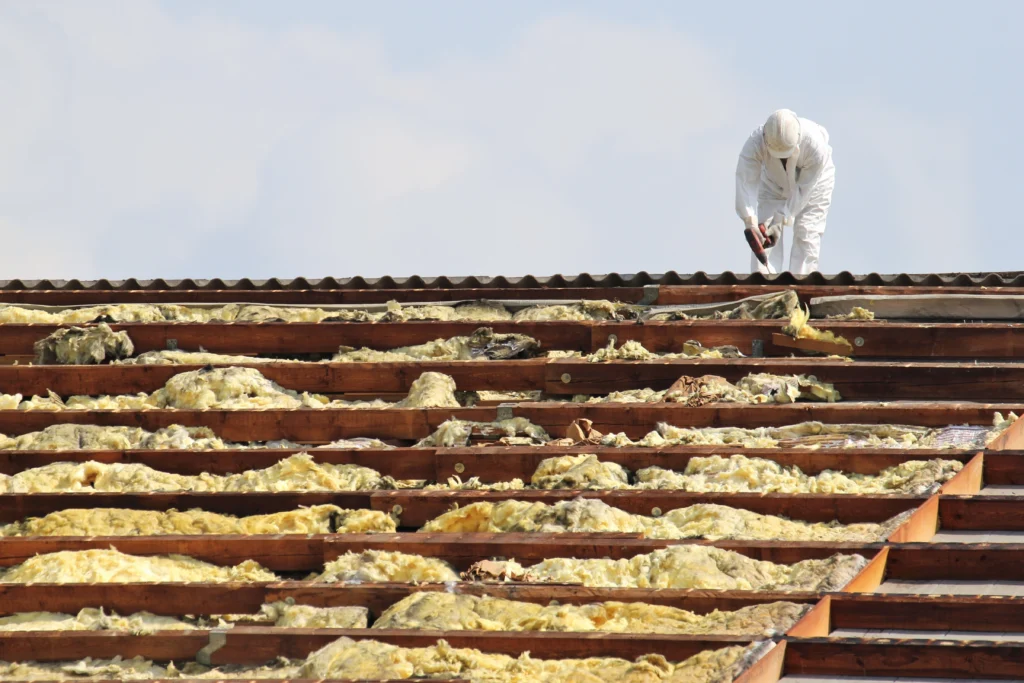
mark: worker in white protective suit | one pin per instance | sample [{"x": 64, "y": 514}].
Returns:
[{"x": 785, "y": 174}]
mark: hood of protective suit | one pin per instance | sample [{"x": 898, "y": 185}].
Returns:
[{"x": 782, "y": 134}]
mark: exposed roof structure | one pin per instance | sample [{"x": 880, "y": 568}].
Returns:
[{"x": 872, "y": 457}]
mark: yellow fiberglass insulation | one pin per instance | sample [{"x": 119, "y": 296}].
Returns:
[
  {"x": 193, "y": 358},
  {"x": 296, "y": 473},
  {"x": 93, "y": 619},
  {"x": 738, "y": 473},
  {"x": 634, "y": 350},
  {"x": 92, "y": 437},
  {"x": 697, "y": 567},
  {"x": 598, "y": 309},
  {"x": 483, "y": 344},
  {"x": 83, "y": 346},
  {"x": 376, "y": 566},
  {"x": 285, "y": 615},
  {"x": 448, "y": 611},
  {"x": 280, "y": 614},
  {"x": 815, "y": 435},
  {"x": 372, "y": 660},
  {"x": 111, "y": 566},
  {"x": 456, "y": 433},
  {"x": 233, "y": 388},
  {"x": 585, "y": 515},
  {"x": 800, "y": 328},
  {"x": 318, "y": 519},
  {"x": 431, "y": 390},
  {"x": 579, "y": 472}
]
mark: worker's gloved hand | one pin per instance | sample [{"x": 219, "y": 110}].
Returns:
[{"x": 750, "y": 222}]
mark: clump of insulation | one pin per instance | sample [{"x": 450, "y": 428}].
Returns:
[
  {"x": 298, "y": 472},
  {"x": 192, "y": 358},
  {"x": 93, "y": 437},
  {"x": 457, "y": 433},
  {"x": 280, "y": 614},
  {"x": 450, "y": 611},
  {"x": 83, "y": 346},
  {"x": 738, "y": 473},
  {"x": 691, "y": 566},
  {"x": 483, "y": 344},
  {"x": 634, "y": 350},
  {"x": 318, "y": 519},
  {"x": 372, "y": 660},
  {"x": 856, "y": 313},
  {"x": 817, "y": 435},
  {"x": 800, "y": 328},
  {"x": 377, "y": 566},
  {"x": 597, "y": 309},
  {"x": 588, "y": 515},
  {"x": 111, "y": 566},
  {"x": 774, "y": 307},
  {"x": 582, "y": 471}
]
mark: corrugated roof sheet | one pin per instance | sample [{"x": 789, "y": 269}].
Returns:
[{"x": 1006, "y": 279}]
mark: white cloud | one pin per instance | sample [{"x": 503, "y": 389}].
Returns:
[{"x": 145, "y": 145}]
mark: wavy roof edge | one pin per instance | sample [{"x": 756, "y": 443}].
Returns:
[{"x": 582, "y": 280}]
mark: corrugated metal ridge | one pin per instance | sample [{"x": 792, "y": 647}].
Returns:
[{"x": 1006, "y": 279}]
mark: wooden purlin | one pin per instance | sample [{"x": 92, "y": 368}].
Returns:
[
  {"x": 881, "y": 339},
  {"x": 866, "y": 380},
  {"x": 179, "y": 599},
  {"x": 633, "y": 419},
  {"x": 257, "y": 645}
]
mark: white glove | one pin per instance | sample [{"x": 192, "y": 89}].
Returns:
[{"x": 750, "y": 222}]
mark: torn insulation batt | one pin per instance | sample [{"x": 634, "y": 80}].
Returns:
[{"x": 111, "y": 566}]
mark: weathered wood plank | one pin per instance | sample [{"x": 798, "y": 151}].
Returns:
[
  {"x": 503, "y": 464},
  {"x": 176, "y": 599},
  {"x": 928, "y": 613},
  {"x": 981, "y": 513},
  {"x": 322, "y": 426},
  {"x": 956, "y": 562},
  {"x": 299, "y": 338},
  {"x": 254, "y": 645},
  {"x": 17, "y": 506},
  {"x": 292, "y": 553},
  {"x": 325, "y": 378},
  {"x": 400, "y": 463},
  {"x": 941, "y": 660}
]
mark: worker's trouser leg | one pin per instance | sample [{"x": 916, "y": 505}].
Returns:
[
  {"x": 767, "y": 205},
  {"x": 809, "y": 226}
]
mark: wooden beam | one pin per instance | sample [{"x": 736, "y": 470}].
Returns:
[
  {"x": 255, "y": 645},
  {"x": 177, "y": 599},
  {"x": 1002, "y": 614},
  {"x": 969, "y": 480},
  {"x": 293, "y": 553},
  {"x": 634, "y": 419},
  {"x": 881, "y": 339},
  {"x": 768, "y": 669},
  {"x": 324, "y": 378},
  {"x": 17, "y": 506},
  {"x": 871, "y": 576},
  {"x": 418, "y": 507},
  {"x": 400, "y": 463},
  {"x": 506, "y": 463},
  {"x": 299, "y": 338},
  {"x": 864, "y": 380},
  {"x": 981, "y": 513},
  {"x": 814, "y": 624},
  {"x": 866, "y": 658},
  {"x": 921, "y": 526},
  {"x": 956, "y": 562}
]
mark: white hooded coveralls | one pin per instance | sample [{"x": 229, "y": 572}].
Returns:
[{"x": 801, "y": 192}]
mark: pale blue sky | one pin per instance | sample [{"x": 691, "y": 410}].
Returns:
[{"x": 257, "y": 138}]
